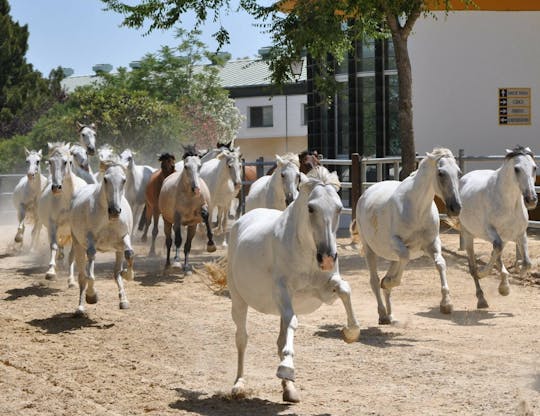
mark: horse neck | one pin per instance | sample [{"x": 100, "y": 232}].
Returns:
[
  {"x": 507, "y": 187},
  {"x": 420, "y": 188},
  {"x": 275, "y": 185},
  {"x": 295, "y": 218}
]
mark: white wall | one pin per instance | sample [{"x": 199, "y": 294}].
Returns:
[
  {"x": 459, "y": 62},
  {"x": 283, "y": 126}
]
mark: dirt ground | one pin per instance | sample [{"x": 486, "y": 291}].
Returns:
[{"x": 173, "y": 351}]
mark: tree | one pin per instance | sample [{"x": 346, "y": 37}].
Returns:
[
  {"x": 24, "y": 94},
  {"x": 316, "y": 25}
]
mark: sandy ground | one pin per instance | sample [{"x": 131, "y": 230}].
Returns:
[{"x": 173, "y": 353}]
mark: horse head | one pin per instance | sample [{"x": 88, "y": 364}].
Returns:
[
  {"x": 447, "y": 179},
  {"x": 127, "y": 157},
  {"x": 32, "y": 162},
  {"x": 324, "y": 206},
  {"x": 308, "y": 160},
  {"x": 190, "y": 174},
  {"x": 524, "y": 171},
  {"x": 114, "y": 179},
  {"x": 59, "y": 165},
  {"x": 232, "y": 159},
  {"x": 80, "y": 157},
  {"x": 288, "y": 168},
  {"x": 167, "y": 163},
  {"x": 87, "y": 135}
]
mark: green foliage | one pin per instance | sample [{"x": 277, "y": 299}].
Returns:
[
  {"x": 12, "y": 157},
  {"x": 24, "y": 94}
]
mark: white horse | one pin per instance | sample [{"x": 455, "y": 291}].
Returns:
[
  {"x": 26, "y": 195},
  {"x": 399, "y": 221},
  {"x": 183, "y": 201},
  {"x": 279, "y": 189},
  {"x": 87, "y": 137},
  {"x": 495, "y": 204},
  {"x": 137, "y": 177},
  {"x": 101, "y": 220},
  {"x": 55, "y": 202},
  {"x": 81, "y": 166},
  {"x": 285, "y": 263},
  {"x": 222, "y": 176}
]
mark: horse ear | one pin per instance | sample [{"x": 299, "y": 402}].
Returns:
[
  {"x": 528, "y": 150},
  {"x": 50, "y": 145},
  {"x": 93, "y": 126},
  {"x": 508, "y": 151},
  {"x": 279, "y": 160},
  {"x": 40, "y": 152},
  {"x": 26, "y": 151},
  {"x": 79, "y": 125}
]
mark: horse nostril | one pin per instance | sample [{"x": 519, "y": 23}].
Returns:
[{"x": 319, "y": 257}]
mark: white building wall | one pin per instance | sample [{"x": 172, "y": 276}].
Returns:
[{"x": 458, "y": 63}]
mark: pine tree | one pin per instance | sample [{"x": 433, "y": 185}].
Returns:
[{"x": 24, "y": 94}]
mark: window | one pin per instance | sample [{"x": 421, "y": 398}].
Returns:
[{"x": 261, "y": 116}]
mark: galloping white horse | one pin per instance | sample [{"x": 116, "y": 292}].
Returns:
[
  {"x": 87, "y": 137},
  {"x": 495, "y": 204},
  {"x": 55, "y": 202},
  {"x": 26, "y": 195},
  {"x": 101, "y": 220},
  {"x": 399, "y": 221},
  {"x": 222, "y": 176},
  {"x": 81, "y": 167},
  {"x": 279, "y": 189},
  {"x": 183, "y": 200},
  {"x": 137, "y": 177},
  {"x": 285, "y": 263}
]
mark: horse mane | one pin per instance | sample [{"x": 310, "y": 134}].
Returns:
[
  {"x": 58, "y": 146},
  {"x": 517, "y": 151},
  {"x": 165, "y": 156},
  {"x": 323, "y": 175},
  {"x": 291, "y": 157},
  {"x": 190, "y": 150},
  {"x": 440, "y": 152}
]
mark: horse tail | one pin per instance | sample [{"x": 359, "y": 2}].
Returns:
[
  {"x": 353, "y": 230},
  {"x": 214, "y": 275},
  {"x": 452, "y": 222},
  {"x": 142, "y": 220}
]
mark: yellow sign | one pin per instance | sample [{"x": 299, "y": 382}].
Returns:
[{"x": 514, "y": 106}]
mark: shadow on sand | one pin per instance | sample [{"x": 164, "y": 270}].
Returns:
[
  {"x": 466, "y": 317},
  {"x": 372, "y": 336},
  {"x": 66, "y": 322},
  {"x": 37, "y": 289}
]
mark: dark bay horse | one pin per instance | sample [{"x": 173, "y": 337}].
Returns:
[{"x": 153, "y": 189}]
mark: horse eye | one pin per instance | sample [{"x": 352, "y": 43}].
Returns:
[
  {"x": 282, "y": 175},
  {"x": 516, "y": 170},
  {"x": 104, "y": 179},
  {"x": 311, "y": 210},
  {"x": 37, "y": 162},
  {"x": 441, "y": 173}
]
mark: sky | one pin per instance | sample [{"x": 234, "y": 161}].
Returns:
[{"x": 78, "y": 34}]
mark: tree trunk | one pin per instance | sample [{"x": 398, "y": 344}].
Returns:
[{"x": 400, "y": 37}]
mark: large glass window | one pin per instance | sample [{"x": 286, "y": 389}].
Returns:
[{"x": 261, "y": 116}]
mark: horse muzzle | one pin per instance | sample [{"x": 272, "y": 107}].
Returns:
[
  {"x": 288, "y": 199},
  {"x": 530, "y": 199},
  {"x": 30, "y": 176},
  {"x": 453, "y": 207},
  {"x": 326, "y": 262},
  {"x": 56, "y": 189},
  {"x": 91, "y": 150},
  {"x": 114, "y": 213},
  {"x": 196, "y": 190}
]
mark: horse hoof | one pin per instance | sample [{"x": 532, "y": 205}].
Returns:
[
  {"x": 238, "y": 391},
  {"x": 385, "y": 320},
  {"x": 446, "y": 309},
  {"x": 91, "y": 299},
  {"x": 504, "y": 290},
  {"x": 290, "y": 394},
  {"x": 482, "y": 304},
  {"x": 211, "y": 247},
  {"x": 80, "y": 313},
  {"x": 285, "y": 373},
  {"x": 71, "y": 284},
  {"x": 351, "y": 334},
  {"x": 387, "y": 283},
  {"x": 176, "y": 265},
  {"x": 124, "y": 304},
  {"x": 18, "y": 238},
  {"x": 50, "y": 276}
]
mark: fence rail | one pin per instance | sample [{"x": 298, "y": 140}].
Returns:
[{"x": 360, "y": 169}]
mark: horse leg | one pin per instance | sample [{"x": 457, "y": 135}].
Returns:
[
  {"x": 468, "y": 243},
  {"x": 177, "y": 240},
  {"x": 290, "y": 394},
  {"x": 352, "y": 331},
  {"x": 210, "y": 246},
  {"x": 498, "y": 246},
  {"x": 191, "y": 229},
  {"x": 155, "y": 230},
  {"x": 118, "y": 263},
  {"x": 523, "y": 247},
  {"x": 129, "y": 254},
  {"x": 371, "y": 260},
  {"x": 168, "y": 241},
  {"x": 239, "y": 316},
  {"x": 144, "y": 224},
  {"x": 21, "y": 214},
  {"x": 504, "y": 286},
  {"x": 394, "y": 273},
  {"x": 71, "y": 259},
  {"x": 289, "y": 324},
  {"x": 80, "y": 262},
  {"x": 434, "y": 251},
  {"x": 91, "y": 294},
  {"x": 51, "y": 273},
  {"x": 35, "y": 232}
]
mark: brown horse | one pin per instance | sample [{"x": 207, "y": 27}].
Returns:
[{"x": 152, "y": 191}]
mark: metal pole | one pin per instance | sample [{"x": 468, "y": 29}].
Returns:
[{"x": 355, "y": 181}]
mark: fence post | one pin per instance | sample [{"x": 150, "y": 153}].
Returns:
[
  {"x": 461, "y": 164},
  {"x": 355, "y": 183},
  {"x": 260, "y": 167},
  {"x": 362, "y": 175},
  {"x": 242, "y": 193}
]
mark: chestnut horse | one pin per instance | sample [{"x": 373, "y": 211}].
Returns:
[{"x": 152, "y": 191}]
